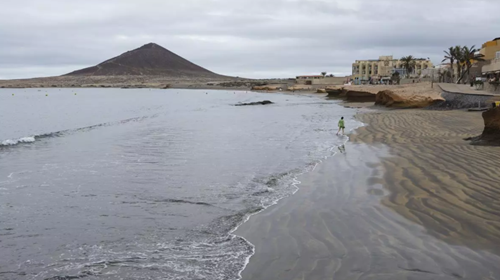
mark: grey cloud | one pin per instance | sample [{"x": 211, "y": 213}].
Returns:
[{"x": 271, "y": 38}]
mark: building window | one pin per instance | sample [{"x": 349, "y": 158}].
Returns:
[{"x": 497, "y": 55}]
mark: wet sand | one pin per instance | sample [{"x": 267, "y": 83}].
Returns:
[{"x": 409, "y": 199}]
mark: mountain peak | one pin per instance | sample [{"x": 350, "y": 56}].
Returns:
[
  {"x": 150, "y": 59},
  {"x": 150, "y": 45}
]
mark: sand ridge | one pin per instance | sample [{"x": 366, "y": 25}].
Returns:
[{"x": 437, "y": 179}]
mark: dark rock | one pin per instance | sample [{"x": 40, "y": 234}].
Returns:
[
  {"x": 461, "y": 101},
  {"x": 351, "y": 95},
  {"x": 334, "y": 92},
  {"x": 360, "y": 96},
  {"x": 491, "y": 132},
  {"x": 264, "y": 102}
]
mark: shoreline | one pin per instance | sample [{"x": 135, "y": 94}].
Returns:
[
  {"x": 240, "y": 89},
  {"x": 233, "y": 233},
  {"x": 386, "y": 206}
]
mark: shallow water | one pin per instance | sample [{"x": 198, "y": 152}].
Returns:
[{"x": 147, "y": 184}]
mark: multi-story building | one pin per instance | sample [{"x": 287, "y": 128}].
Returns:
[
  {"x": 307, "y": 80},
  {"x": 321, "y": 80},
  {"x": 491, "y": 67},
  {"x": 491, "y": 52},
  {"x": 490, "y": 49},
  {"x": 383, "y": 67}
]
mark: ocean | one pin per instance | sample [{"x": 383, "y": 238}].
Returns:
[{"x": 148, "y": 184}]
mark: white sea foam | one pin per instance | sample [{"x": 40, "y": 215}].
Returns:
[{"x": 10, "y": 142}]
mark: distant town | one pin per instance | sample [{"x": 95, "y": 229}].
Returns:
[{"x": 459, "y": 65}]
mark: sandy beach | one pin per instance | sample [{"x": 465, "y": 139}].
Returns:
[{"x": 409, "y": 199}]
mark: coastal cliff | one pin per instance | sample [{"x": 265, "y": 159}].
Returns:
[
  {"x": 395, "y": 96},
  {"x": 394, "y": 99},
  {"x": 352, "y": 93}
]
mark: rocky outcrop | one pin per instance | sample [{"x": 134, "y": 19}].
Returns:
[
  {"x": 350, "y": 95},
  {"x": 462, "y": 101},
  {"x": 264, "y": 102},
  {"x": 321, "y": 91},
  {"x": 299, "y": 87},
  {"x": 492, "y": 124},
  {"x": 335, "y": 92},
  {"x": 491, "y": 132},
  {"x": 359, "y": 96},
  {"x": 389, "y": 98},
  {"x": 266, "y": 88}
]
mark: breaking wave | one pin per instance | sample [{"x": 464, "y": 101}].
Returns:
[
  {"x": 10, "y": 142},
  {"x": 36, "y": 137}
]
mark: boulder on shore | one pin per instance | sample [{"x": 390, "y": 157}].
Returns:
[
  {"x": 491, "y": 132},
  {"x": 264, "y": 102},
  {"x": 321, "y": 90},
  {"x": 389, "y": 98}
]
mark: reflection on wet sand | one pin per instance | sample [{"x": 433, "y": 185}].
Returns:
[
  {"x": 410, "y": 200},
  {"x": 342, "y": 149}
]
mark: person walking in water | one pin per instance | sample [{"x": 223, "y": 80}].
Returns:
[{"x": 341, "y": 126}]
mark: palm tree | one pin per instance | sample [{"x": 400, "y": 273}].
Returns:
[
  {"x": 323, "y": 73},
  {"x": 470, "y": 56},
  {"x": 408, "y": 63},
  {"x": 395, "y": 78},
  {"x": 450, "y": 55},
  {"x": 460, "y": 60}
]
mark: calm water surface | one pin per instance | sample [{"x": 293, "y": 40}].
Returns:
[{"x": 147, "y": 184}]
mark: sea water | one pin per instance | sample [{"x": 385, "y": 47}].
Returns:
[{"x": 147, "y": 184}]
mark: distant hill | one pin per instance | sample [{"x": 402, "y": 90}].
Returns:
[{"x": 150, "y": 59}]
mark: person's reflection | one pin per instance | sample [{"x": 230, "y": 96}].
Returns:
[{"x": 342, "y": 149}]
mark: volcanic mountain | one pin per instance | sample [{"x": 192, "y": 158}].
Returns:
[{"x": 150, "y": 59}]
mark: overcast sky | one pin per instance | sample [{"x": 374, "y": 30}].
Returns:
[{"x": 246, "y": 38}]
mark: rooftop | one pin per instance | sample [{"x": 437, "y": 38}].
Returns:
[{"x": 425, "y": 59}]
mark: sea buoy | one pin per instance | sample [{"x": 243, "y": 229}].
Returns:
[
  {"x": 12, "y": 94},
  {"x": 75, "y": 93},
  {"x": 46, "y": 94}
]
